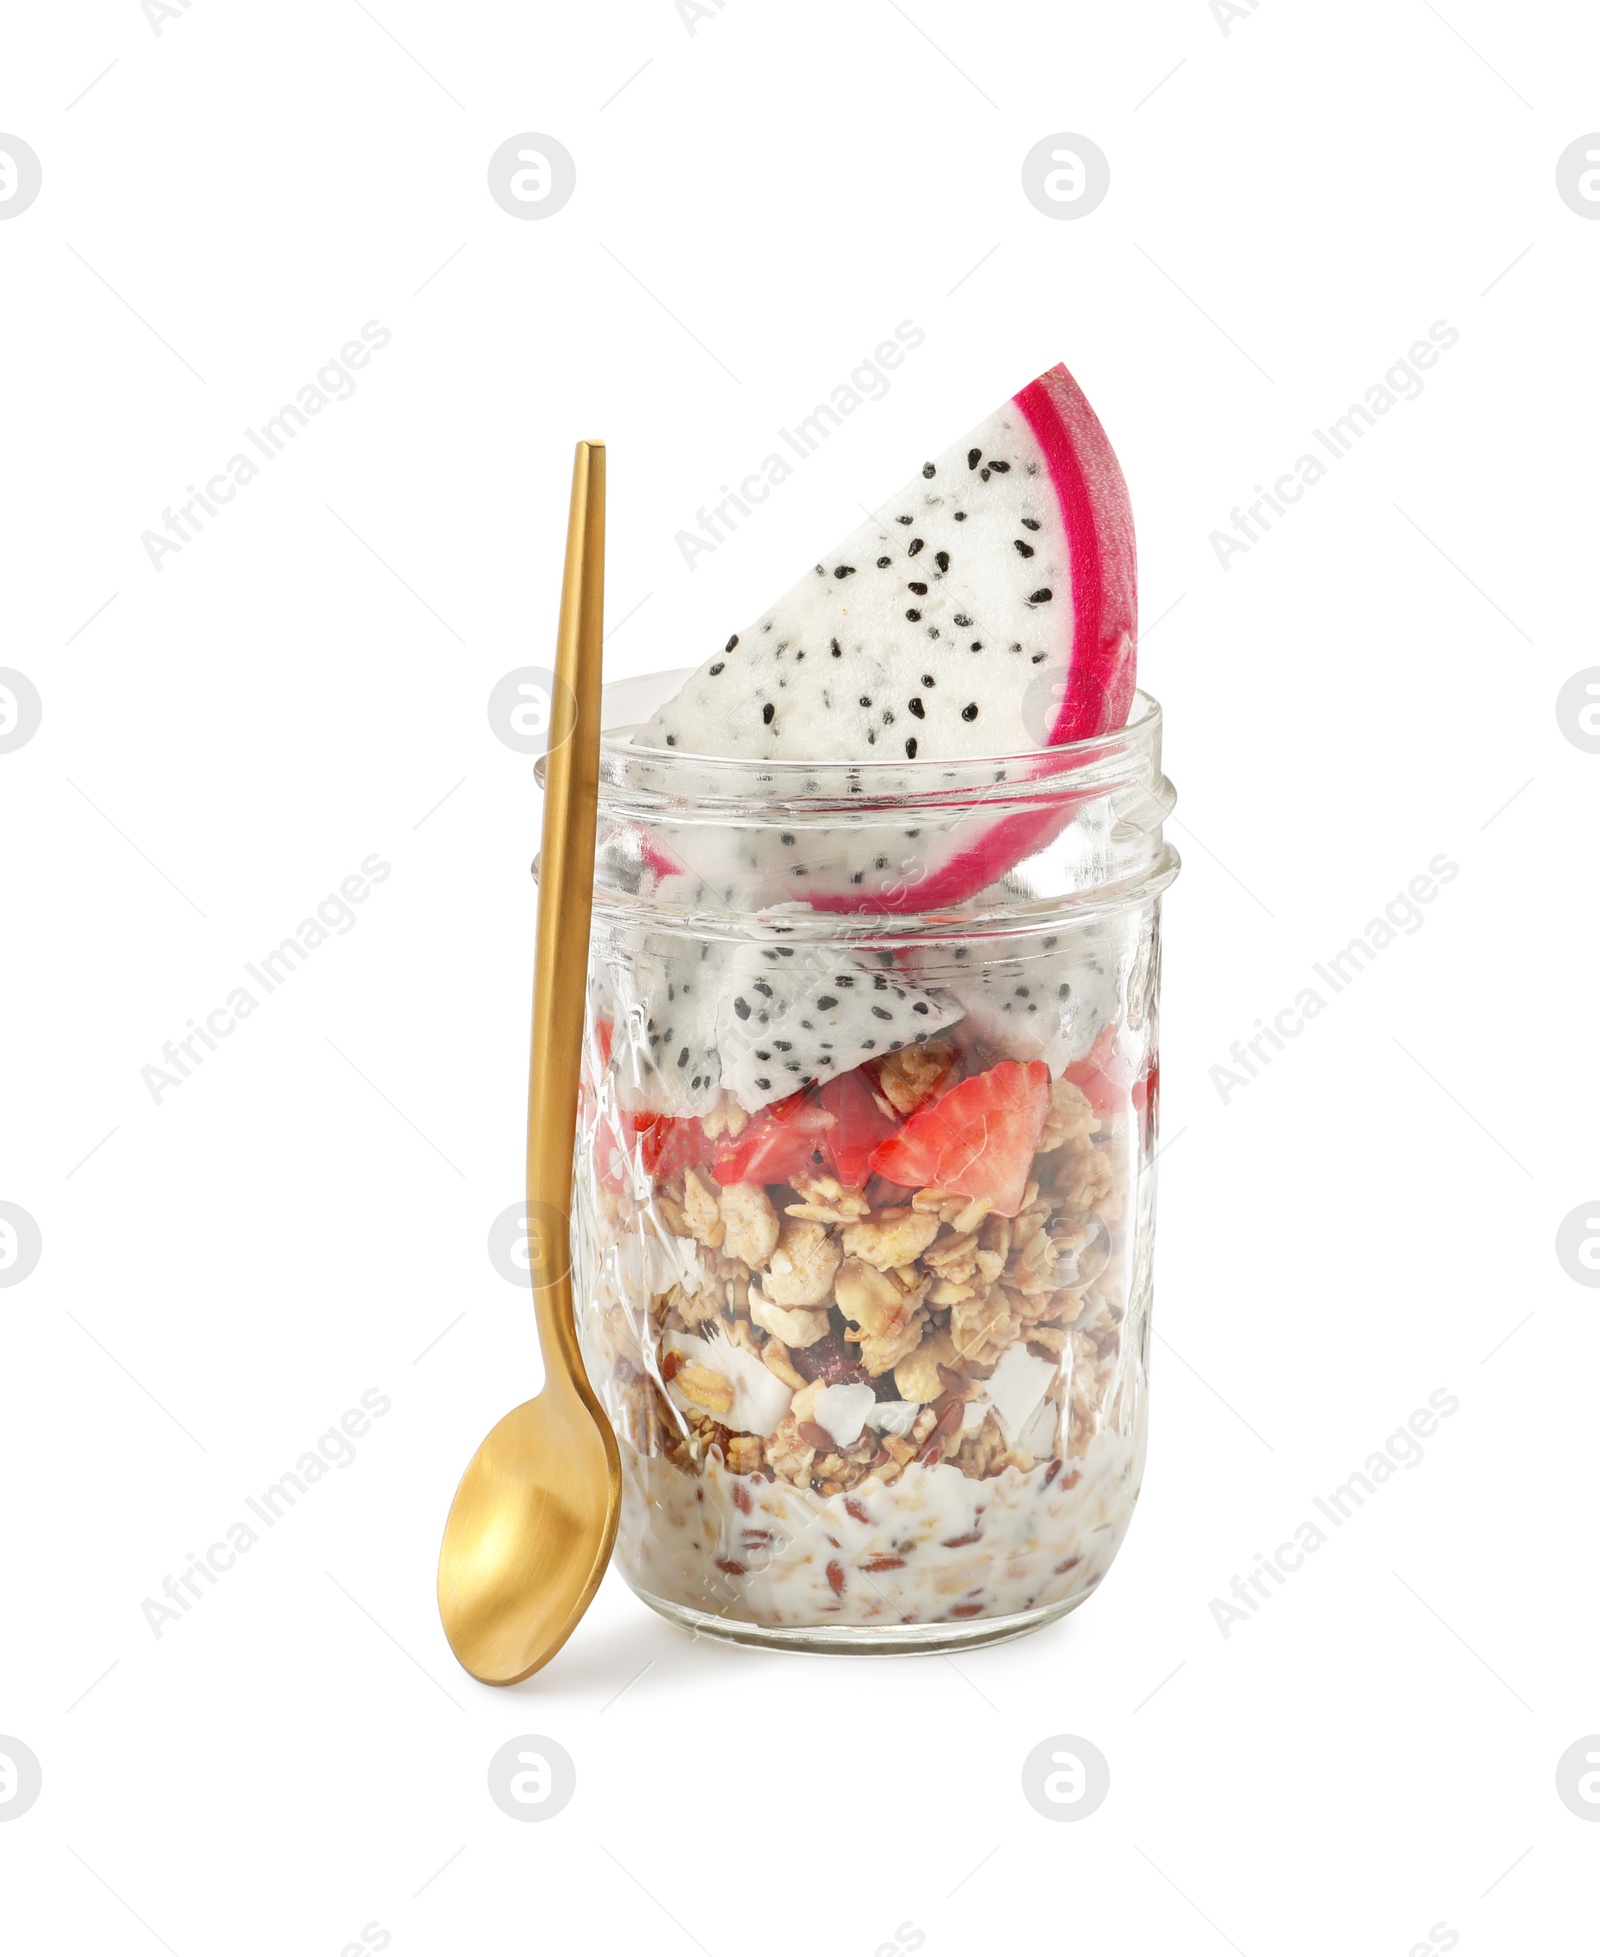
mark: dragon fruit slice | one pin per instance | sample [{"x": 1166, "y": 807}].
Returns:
[
  {"x": 665, "y": 991},
  {"x": 759, "y": 1017},
  {"x": 988, "y": 609},
  {"x": 793, "y": 1016},
  {"x": 1040, "y": 1004}
]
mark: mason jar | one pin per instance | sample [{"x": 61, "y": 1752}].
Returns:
[{"x": 864, "y": 1190}]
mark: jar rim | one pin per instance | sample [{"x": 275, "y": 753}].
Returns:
[{"x": 729, "y": 781}]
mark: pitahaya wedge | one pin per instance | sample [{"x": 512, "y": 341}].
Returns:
[
  {"x": 989, "y": 608},
  {"x": 761, "y": 1017},
  {"x": 796, "y": 1015},
  {"x": 1020, "y": 1007}
]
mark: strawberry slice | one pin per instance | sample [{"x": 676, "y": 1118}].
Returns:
[
  {"x": 859, "y": 1124},
  {"x": 977, "y": 1140},
  {"x": 1106, "y": 1074},
  {"x": 670, "y": 1143},
  {"x": 780, "y": 1142}
]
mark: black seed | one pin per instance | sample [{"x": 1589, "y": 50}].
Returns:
[
  {"x": 767, "y": 712},
  {"x": 859, "y": 877},
  {"x": 1030, "y": 523},
  {"x": 1042, "y": 596},
  {"x": 983, "y": 475},
  {"x": 880, "y": 862},
  {"x": 784, "y": 1046},
  {"x": 882, "y": 1012},
  {"x": 933, "y": 631},
  {"x": 731, "y": 643},
  {"x": 914, "y": 546},
  {"x": 961, "y": 516},
  {"x": 833, "y": 647},
  {"x": 942, "y": 559},
  {"x": 883, "y": 563},
  {"x": 1001, "y": 468},
  {"x": 927, "y": 679},
  {"x": 763, "y": 1085},
  {"x": 974, "y": 457},
  {"x": 916, "y": 707},
  {"x": 902, "y": 519},
  {"x": 911, "y": 750},
  {"x": 683, "y": 1057},
  {"x": 962, "y": 619},
  {"x": 672, "y": 740},
  {"x": 921, "y": 1006},
  {"x": 1062, "y": 991},
  {"x": 1038, "y": 659},
  {"x": 1022, "y": 549},
  {"x": 716, "y": 669},
  {"x": 927, "y": 469},
  {"x": 844, "y": 570},
  {"x": 888, "y": 716},
  {"x": 827, "y": 1002},
  {"x": 961, "y": 954},
  {"x": 970, "y": 711},
  {"x": 787, "y": 838},
  {"x": 1051, "y": 943},
  {"x": 868, "y": 1045},
  {"x": 866, "y": 700},
  {"x": 920, "y": 589},
  {"x": 977, "y": 645},
  {"x": 914, "y": 615}
]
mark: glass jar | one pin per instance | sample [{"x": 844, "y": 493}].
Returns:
[{"x": 864, "y": 1190}]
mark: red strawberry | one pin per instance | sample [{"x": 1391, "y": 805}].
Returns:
[
  {"x": 977, "y": 1140},
  {"x": 859, "y": 1124},
  {"x": 669, "y": 1143},
  {"x": 1105, "y": 1074},
  {"x": 782, "y": 1141}
]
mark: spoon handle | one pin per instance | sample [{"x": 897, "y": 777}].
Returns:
[{"x": 566, "y": 892}]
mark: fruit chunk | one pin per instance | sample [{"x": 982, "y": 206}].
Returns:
[
  {"x": 1008, "y": 557},
  {"x": 791, "y": 1016},
  {"x": 782, "y": 1141},
  {"x": 1105, "y": 1074},
  {"x": 989, "y": 608},
  {"x": 859, "y": 1124},
  {"x": 977, "y": 1140}
]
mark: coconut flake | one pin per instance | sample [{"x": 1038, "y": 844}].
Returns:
[
  {"x": 760, "y": 1398},
  {"x": 842, "y": 1410},
  {"x": 1016, "y": 1387},
  {"x": 1039, "y": 1436}
]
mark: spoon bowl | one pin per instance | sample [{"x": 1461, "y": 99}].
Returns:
[{"x": 529, "y": 1536}]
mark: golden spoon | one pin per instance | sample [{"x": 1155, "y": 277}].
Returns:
[{"x": 532, "y": 1524}]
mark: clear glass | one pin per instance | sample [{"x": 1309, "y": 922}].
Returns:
[{"x": 895, "y": 1403}]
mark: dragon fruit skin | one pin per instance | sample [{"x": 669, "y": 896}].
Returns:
[{"x": 990, "y": 608}]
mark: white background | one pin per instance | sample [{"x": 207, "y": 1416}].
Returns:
[{"x": 306, "y": 1218}]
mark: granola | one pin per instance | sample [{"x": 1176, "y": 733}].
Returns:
[{"x": 845, "y": 1400}]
